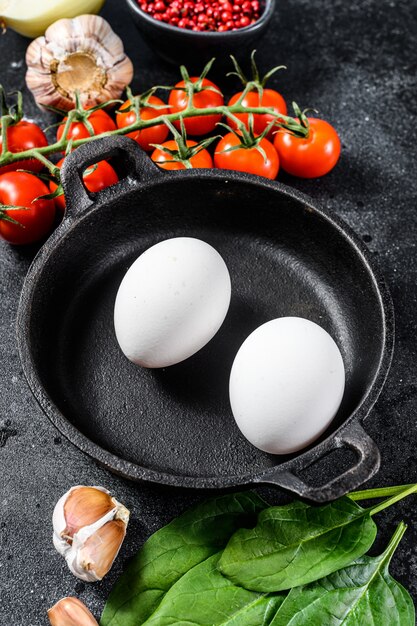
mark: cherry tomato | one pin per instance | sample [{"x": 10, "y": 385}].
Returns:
[
  {"x": 270, "y": 98},
  {"x": 312, "y": 156},
  {"x": 99, "y": 120},
  {"x": 201, "y": 124},
  {"x": 146, "y": 136},
  {"x": 95, "y": 178},
  {"x": 20, "y": 137},
  {"x": 22, "y": 189},
  {"x": 201, "y": 160},
  {"x": 246, "y": 159}
]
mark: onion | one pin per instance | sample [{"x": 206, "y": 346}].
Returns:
[{"x": 32, "y": 17}]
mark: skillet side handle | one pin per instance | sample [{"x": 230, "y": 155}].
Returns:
[
  {"x": 129, "y": 160},
  {"x": 353, "y": 437}
]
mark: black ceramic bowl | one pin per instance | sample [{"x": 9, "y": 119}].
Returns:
[{"x": 181, "y": 46}]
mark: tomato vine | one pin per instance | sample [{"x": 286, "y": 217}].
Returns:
[{"x": 8, "y": 157}]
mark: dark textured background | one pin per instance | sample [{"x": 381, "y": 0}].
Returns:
[{"x": 357, "y": 63}]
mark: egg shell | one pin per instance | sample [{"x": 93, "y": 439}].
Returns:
[
  {"x": 171, "y": 302},
  {"x": 286, "y": 384}
]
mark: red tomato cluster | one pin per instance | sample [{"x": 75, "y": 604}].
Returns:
[
  {"x": 253, "y": 145},
  {"x": 197, "y": 15},
  {"x": 306, "y": 157},
  {"x": 34, "y": 216}
]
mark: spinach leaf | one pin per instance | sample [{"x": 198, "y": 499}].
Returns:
[
  {"x": 169, "y": 553},
  {"x": 203, "y": 597},
  {"x": 363, "y": 593},
  {"x": 296, "y": 544}
]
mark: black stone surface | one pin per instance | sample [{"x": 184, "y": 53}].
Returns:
[{"x": 357, "y": 63}]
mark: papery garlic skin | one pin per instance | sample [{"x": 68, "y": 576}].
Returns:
[
  {"x": 70, "y": 612},
  {"x": 81, "y": 55},
  {"x": 31, "y": 18},
  {"x": 89, "y": 549}
]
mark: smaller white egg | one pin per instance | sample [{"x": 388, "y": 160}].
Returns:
[
  {"x": 286, "y": 384},
  {"x": 171, "y": 302}
]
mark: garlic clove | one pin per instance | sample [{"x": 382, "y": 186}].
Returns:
[
  {"x": 31, "y": 18},
  {"x": 84, "y": 506},
  {"x": 95, "y": 558},
  {"x": 81, "y": 506},
  {"x": 89, "y": 529},
  {"x": 81, "y": 55},
  {"x": 70, "y": 612}
]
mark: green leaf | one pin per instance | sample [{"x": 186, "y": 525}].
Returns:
[
  {"x": 362, "y": 594},
  {"x": 296, "y": 544},
  {"x": 203, "y": 597},
  {"x": 168, "y": 554}
]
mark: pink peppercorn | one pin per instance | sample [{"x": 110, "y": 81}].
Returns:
[{"x": 204, "y": 15}]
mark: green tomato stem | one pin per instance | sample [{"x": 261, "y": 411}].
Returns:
[
  {"x": 47, "y": 163},
  {"x": 5, "y": 123}
]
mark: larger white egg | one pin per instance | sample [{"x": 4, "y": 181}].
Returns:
[
  {"x": 171, "y": 302},
  {"x": 286, "y": 384}
]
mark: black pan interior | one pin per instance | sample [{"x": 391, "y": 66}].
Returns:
[{"x": 284, "y": 259}]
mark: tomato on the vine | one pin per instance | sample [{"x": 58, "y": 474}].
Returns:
[
  {"x": 247, "y": 159},
  {"x": 270, "y": 98},
  {"x": 255, "y": 94},
  {"x": 22, "y": 190},
  {"x": 206, "y": 96},
  {"x": 100, "y": 121},
  {"x": 96, "y": 178},
  {"x": 311, "y": 156},
  {"x": 146, "y": 136},
  {"x": 165, "y": 159},
  {"x": 24, "y": 136}
]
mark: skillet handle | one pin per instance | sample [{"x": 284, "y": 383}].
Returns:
[
  {"x": 128, "y": 159},
  {"x": 353, "y": 437}
]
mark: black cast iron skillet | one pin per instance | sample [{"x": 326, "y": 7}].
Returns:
[{"x": 174, "y": 426}]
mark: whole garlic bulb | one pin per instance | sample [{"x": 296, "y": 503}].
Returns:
[
  {"x": 89, "y": 529},
  {"x": 81, "y": 55},
  {"x": 70, "y": 612}
]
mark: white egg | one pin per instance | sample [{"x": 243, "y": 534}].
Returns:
[
  {"x": 171, "y": 302},
  {"x": 286, "y": 384}
]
